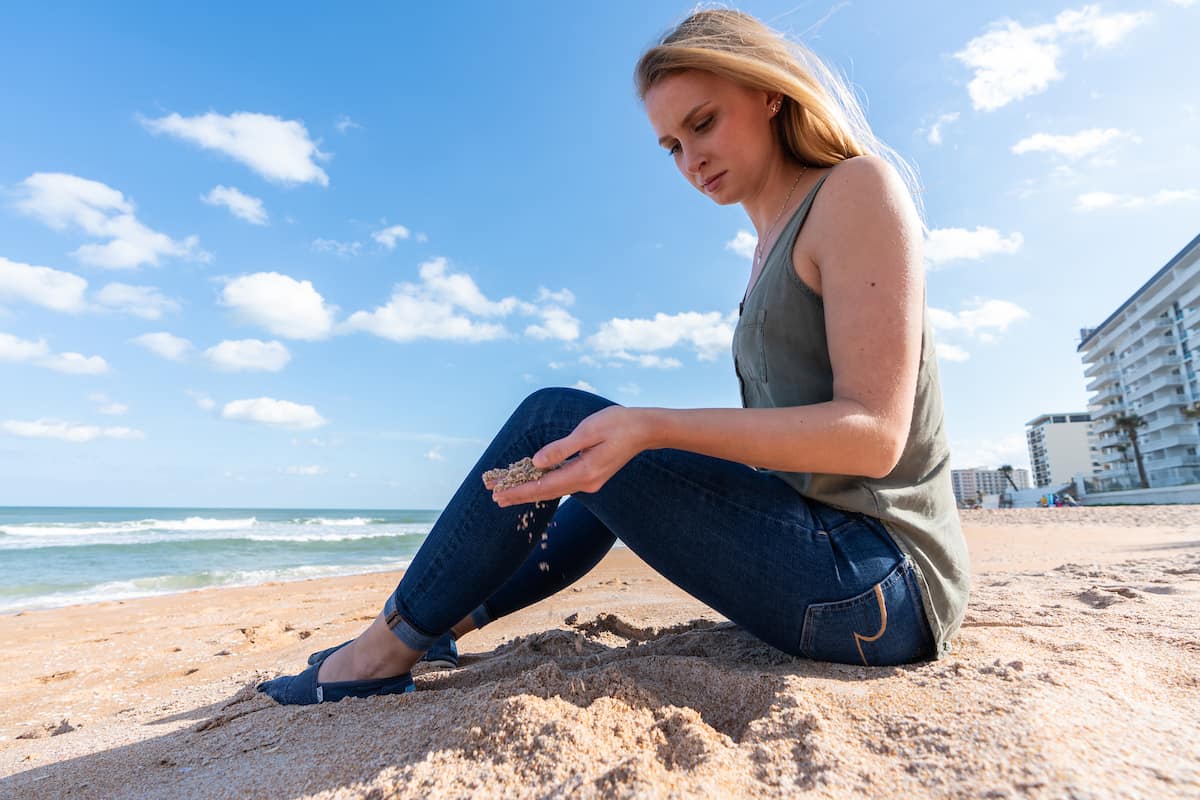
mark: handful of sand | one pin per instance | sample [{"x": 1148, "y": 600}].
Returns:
[{"x": 516, "y": 473}]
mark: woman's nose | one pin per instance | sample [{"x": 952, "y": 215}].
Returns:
[{"x": 694, "y": 164}]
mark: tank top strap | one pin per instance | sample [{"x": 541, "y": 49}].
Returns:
[{"x": 792, "y": 229}]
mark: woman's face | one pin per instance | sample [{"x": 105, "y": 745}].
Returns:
[{"x": 718, "y": 132}]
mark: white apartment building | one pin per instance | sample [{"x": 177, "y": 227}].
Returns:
[
  {"x": 1058, "y": 447},
  {"x": 970, "y": 483},
  {"x": 1142, "y": 360}
]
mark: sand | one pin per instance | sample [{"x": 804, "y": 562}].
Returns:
[{"x": 1076, "y": 674}]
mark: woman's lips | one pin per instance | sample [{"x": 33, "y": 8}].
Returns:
[{"x": 713, "y": 183}]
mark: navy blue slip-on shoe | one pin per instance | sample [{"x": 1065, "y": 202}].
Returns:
[
  {"x": 443, "y": 653},
  {"x": 304, "y": 690}
]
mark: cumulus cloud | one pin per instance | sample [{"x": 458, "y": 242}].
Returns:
[
  {"x": 1074, "y": 146},
  {"x": 164, "y": 345},
  {"x": 270, "y": 411},
  {"x": 1095, "y": 201},
  {"x": 949, "y": 352},
  {"x": 447, "y": 305},
  {"x": 243, "y": 355},
  {"x": 708, "y": 333},
  {"x": 743, "y": 243},
  {"x": 981, "y": 318},
  {"x": 42, "y": 286},
  {"x": 279, "y": 150},
  {"x": 67, "y": 431},
  {"x": 282, "y": 305},
  {"x": 64, "y": 201},
  {"x": 585, "y": 386},
  {"x": 956, "y": 244},
  {"x": 242, "y": 206},
  {"x": 434, "y": 454},
  {"x": 1012, "y": 61},
  {"x": 388, "y": 236},
  {"x": 146, "y": 302},
  {"x": 37, "y": 353},
  {"x": 344, "y": 124},
  {"x": 314, "y": 469},
  {"x": 934, "y": 134}
]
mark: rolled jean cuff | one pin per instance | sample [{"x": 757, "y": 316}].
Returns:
[
  {"x": 480, "y": 616},
  {"x": 406, "y": 633}
]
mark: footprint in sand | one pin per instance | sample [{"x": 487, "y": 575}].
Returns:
[
  {"x": 58, "y": 676},
  {"x": 1105, "y": 596}
]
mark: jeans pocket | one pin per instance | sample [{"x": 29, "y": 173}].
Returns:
[{"x": 883, "y": 625}]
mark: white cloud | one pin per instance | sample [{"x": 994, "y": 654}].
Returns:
[
  {"x": 743, "y": 243},
  {"x": 979, "y": 318},
  {"x": 42, "y": 286},
  {"x": 445, "y": 305},
  {"x": 67, "y": 431},
  {"x": 18, "y": 351},
  {"x": 585, "y": 386},
  {"x": 629, "y": 388},
  {"x": 422, "y": 238},
  {"x": 106, "y": 406},
  {"x": 388, "y": 236},
  {"x": 281, "y": 304},
  {"x": 1094, "y": 201},
  {"x": 248, "y": 354},
  {"x": 954, "y": 244},
  {"x": 270, "y": 411},
  {"x": 242, "y": 206},
  {"x": 343, "y": 249},
  {"x": 709, "y": 333},
  {"x": 277, "y": 149},
  {"x": 164, "y": 345},
  {"x": 344, "y": 124},
  {"x": 74, "y": 364},
  {"x": 314, "y": 469},
  {"x": 146, "y": 302},
  {"x": 1012, "y": 61},
  {"x": 949, "y": 352},
  {"x": 934, "y": 135},
  {"x": 63, "y": 201},
  {"x": 435, "y": 454},
  {"x": 1074, "y": 146},
  {"x": 25, "y": 351},
  {"x": 202, "y": 400}
]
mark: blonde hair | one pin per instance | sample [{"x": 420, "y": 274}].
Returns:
[{"x": 820, "y": 122}]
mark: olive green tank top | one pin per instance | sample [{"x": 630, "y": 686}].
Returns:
[{"x": 781, "y": 357}]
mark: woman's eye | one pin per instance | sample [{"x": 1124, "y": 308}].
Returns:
[
  {"x": 704, "y": 124},
  {"x": 674, "y": 149}
]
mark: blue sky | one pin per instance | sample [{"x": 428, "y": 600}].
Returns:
[{"x": 261, "y": 256}]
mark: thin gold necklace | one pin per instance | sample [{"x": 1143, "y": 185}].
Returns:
[{"x": 758, "y": 248}]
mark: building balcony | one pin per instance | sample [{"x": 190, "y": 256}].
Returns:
[
  {"x": 1165, "y": 421},
  {"x": 1104, "y": 378},
  {"x": 1158, "y": 403},
  {"x": 1171, "y": 462},
  {"x": 1149, "y": 365},
  {"x": 1167, "y": 441},
  {"x": 1099, "y": 365},
  {"x": 1154, "y": 383}
]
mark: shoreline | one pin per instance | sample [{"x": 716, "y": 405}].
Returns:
[{"x": 623, "y": 684}]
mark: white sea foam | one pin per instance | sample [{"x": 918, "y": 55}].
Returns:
[
  {"x": 173, "y": 584},
  {"x": 350, "y": 521}
]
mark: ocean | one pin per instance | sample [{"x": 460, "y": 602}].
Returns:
[{"x": 61, "y": 556}]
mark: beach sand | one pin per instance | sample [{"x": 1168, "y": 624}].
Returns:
[{"x": 1076, "y": 674}]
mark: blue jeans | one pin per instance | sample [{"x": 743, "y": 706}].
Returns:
[{"x": 806, "y": 578}]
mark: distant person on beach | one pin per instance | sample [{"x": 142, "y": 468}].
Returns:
[{"x": 820, "y": 515}]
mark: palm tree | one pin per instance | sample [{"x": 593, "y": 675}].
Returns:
[
  {"x": 1128, "y": 425},
  {"x": 1192, "y": 411},
  {"x": 1006, "y": 470}
]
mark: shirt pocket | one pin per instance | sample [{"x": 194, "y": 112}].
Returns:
[
  {"x": 749, "y": 346},
  {"x": 884, "y": 625}
]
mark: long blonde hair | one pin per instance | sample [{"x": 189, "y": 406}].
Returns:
[{"x": 820, "y": 122}]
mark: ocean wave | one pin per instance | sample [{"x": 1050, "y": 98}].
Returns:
[
  {"x": 260, "y": 533},
  {"x": 173, "y": 584},
  {"x": 126, "y": 526},
  {"x": 352, "y": 521}
]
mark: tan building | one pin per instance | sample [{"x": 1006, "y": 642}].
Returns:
[
  {"x": 1059, "y": 448},
  {"x": 970, "y": 483}
]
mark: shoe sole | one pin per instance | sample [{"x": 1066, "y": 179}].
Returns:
[{"x": 442, "y": 664}]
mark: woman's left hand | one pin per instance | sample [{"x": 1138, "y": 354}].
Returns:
[{"x": 604, "y": 442}]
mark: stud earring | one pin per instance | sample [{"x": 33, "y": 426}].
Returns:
[{"x": 775, "y": 108}]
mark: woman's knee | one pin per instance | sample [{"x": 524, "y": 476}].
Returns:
[{"x": 560, "y": 404}]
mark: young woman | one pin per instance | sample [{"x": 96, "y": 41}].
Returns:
[{"x": 819, "y": 516}]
